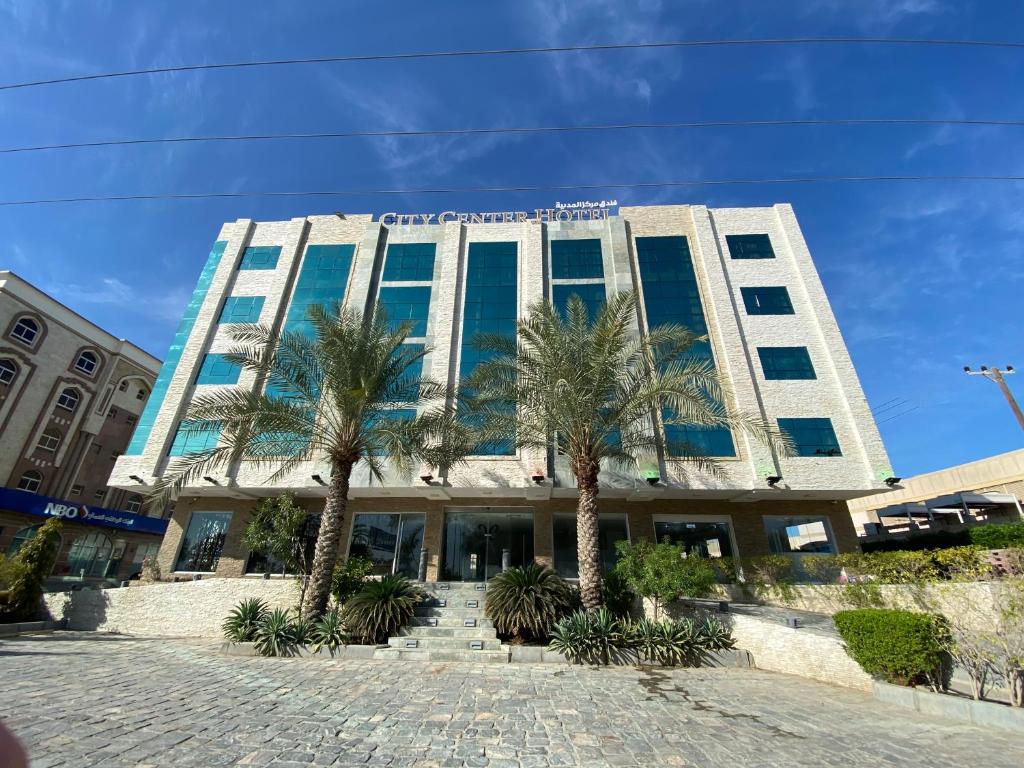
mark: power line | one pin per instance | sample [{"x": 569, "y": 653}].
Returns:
[
  {"x": 903, "y": 413},
  {"x": 515, "y": 130},
  {"x": 520, "y": 51},
  {"x": 529, "y": 188}
]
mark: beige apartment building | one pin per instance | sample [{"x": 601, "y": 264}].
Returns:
[
  {"x": 743, "y": 276},
  {"x": 70, "y": 397}
]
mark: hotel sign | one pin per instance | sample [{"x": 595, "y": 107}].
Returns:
[
  {"x": 44, "y": 506},
  {"x": 584, "y": 210}
]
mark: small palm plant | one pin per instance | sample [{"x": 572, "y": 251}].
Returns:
[
  {"x": 241, "y": 624},
  {"x": 600, "y": 392},
  {"x": 589, "y": 637},
  {"x": 274, "y": 634},
  {"x": 344, "y": 394},
  {"x": 329, "y": 631},
  {"x": 526, "y": 602},
  {"x": 381, "y": 608}
]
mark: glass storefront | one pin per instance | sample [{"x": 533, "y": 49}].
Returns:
[
  {"x": 475, "y": 537},
  {"x": 392, "y": 542},
  {"x": 702, "y": 537},
  {"x": 799, "y": 535},
  {"x": 90, "y": 555},
  {"x": 203, "y": 542},
  {"x": 260, "y": 563},
  {"x": 610, "y": 529}
]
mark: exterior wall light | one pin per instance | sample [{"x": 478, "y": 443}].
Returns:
[
  {"x": 317, "y": 479},
  {"x": 892, "y": 482},
  {"x": 137, "y": 479},
  {"x": 210, "y": 480},
  {"x": 773, "y": 480},
  {"x": 537, "y": 476},
  {"x": 652, "y": 476}
]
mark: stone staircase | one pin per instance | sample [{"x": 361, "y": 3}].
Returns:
[{"x": 448, "y": 626}]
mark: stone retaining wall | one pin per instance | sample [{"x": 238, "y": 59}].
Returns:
[{"x": 183, "y": 609}]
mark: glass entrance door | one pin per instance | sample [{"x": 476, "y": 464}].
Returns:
[{"x": 474, "y": 538}]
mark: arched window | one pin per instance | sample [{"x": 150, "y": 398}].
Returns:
[
  {"x": 26, "y": 330},
  {"x": 89, "y": 555},
  {"x": 142, "y": 394},
  {"x": 134, "y": 504},
  {"x": 8, "y": 371},
  {"x": 21, "y": 537},
  {"x": 86, "y": 363},
  {"x": 68, "y": 399},
  {"x": 49, "y": 441},
  {"x": 30, "y": 481}
]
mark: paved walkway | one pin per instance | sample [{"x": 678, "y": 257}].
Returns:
[{"x": 80, "y": 700}]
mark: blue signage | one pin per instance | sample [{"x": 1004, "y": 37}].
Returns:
[{"x": 44, "y": 506}]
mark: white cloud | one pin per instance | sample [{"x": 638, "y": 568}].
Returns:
[{"x": 107, "y": 290}]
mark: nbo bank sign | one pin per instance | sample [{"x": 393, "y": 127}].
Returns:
[{"x": 45, "y": 506}]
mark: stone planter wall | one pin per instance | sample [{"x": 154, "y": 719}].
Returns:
[{"x": 942, "y": 705}]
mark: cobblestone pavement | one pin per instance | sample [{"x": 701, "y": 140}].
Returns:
[{"x": 81, "y": 700}]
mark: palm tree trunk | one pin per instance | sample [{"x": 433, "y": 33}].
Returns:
[
  {"x": 587, "y": 548},
  {"x": 328, "y": 538}
]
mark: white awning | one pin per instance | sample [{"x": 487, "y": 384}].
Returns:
[
  {"x": 913, "y": 509},
  {"x": 956, "y": 501}
]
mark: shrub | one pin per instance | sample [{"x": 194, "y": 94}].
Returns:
[
  {"x": 962, "y": 564},
  {"x": 241, "y": 624},
  {"x": 526, "y": 602},
  {"x": 618, "y": 597},
  {"x": 930, "y": 540},
  {"x": 769, "y": 574},
  {"x": 589, "y": 637},
  {"x": 725, "y": 569},
  {"x": 274, "y": 634},
  {"x": 329, "y": 631},
  {"x": 997, "y": 536},
  {"x": 348, "y": 578},
  {"x": 715, "y": 635},
  {"x": 29, "y": 569},
  {"x": 822, "y": 569},
  {"x": 302, "y": 630},
  {"x": 381, "y": 608},
  {"x": 663, "y": 572},
  {"x": 900, "y": 647}
]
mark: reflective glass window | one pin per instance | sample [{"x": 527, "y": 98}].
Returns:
[
  {"x": 611, "y": 528},
  {"x": 576, "y": 259},
  {"x": 750, "y": 246},
  {"x": 322, "y": 280},
  {"x": 812, "y": 437},
  {"x": 799, "y": 534},
  {"x": 392, "y": 542},
  {"x": 402, "y": 304},
  {"x": 216, "y": 369},
  {"x": 409, "y": 261},
  {"x": 705, "y": 538},
  {"x": 767, "y": 300},
  {"x": 204, "y": 541},
  {"x": 190, "y": 439},
  {"x": 260, "y": 257},
  {"x": 592, "y": 295},
  {"x": 786, "y": 363},
  {"x": 242, "y": 309}
]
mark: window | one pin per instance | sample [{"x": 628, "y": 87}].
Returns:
[
  {"x": 410, "y": 261},
  {"x": 86, "y": 363},
  {"x": 322, "y": 280},
  {"x": 576, "y": 259},
  {"x": 30, "y": 481},
  {"x": 142, "y": 552},
  {"x": 130, "y": 419},
  {"x": 402, "y": 304},
  {"x": 241, "y": 309},
  {"x": 216, "y": 369},
  {"x": 49, "y": 441},
  {"x": 142, "y": 394},
  {"x": 114, "y": 455},
  {"x": 90, "y": 556},
  {"x": 392, "y": 542},
  {"x": 750, "y": 246},
  {"x": 767, "y": 301},
  {"x": 24, "y": 535},
  {"x": 786, "y": 363},
  {"x": 260, "y": 257},
  {"x": 194, "y": 437},
  {"x": 799, "y": 534},
  {"x": 203, "y": 542},
  {"x": 76, "y": 490},
  {"x": 258, "y": 563},
  {"x": 112, "y": 413},
  {"x": 26, "y": 331},
  {"x": 591, "y": 294},
  {"x": 99, "y": 494},
  {"x": 68, "y": 399},
  {"x": 611, "y": 528},
  {"x": 811, "y": 437},
  {"x": 704, "y": 537},
  {"x": 123, "y": 386},
  {"x": 134, "y": 504},
  {"x": 8, "y": 370}
]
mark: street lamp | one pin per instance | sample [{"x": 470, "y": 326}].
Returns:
[{"x": 996, "y": 375}]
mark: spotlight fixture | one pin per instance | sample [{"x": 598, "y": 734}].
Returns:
[
  {"x": 983, "y": 367},
  {"x": 137, "y": 479},
  {"x": 317, "y": 479},
  {"x": 211, "y": 480},
  {"x": 1009, "y": 369},
  {"x": 773, "y": 480},
  {"x": 652, "y": 476},
  {"x": 537, "y": 477},
  {"x": 967, "y": 369},
  {"x": 892, "y": 482},
  {"x": 427, "y": 478}
]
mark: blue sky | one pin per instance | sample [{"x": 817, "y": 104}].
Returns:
[{"x": 924, "y": 277}]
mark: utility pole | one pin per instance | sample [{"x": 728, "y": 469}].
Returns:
[{"x": 996, "y": 375}]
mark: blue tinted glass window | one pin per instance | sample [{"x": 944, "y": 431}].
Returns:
[
  {"x": 242, "y": 309},
  {"x": 260, "y": 257},
  {"x": 189, "y": 439},
  {"x": 413, "y": 373},
  {"x": 750, "y": 246},
  {"x": 786, "y": 363},
  {"x": 322, "y": 281},
  {"x": 592, "y": 295},
  {"x": 217, "y": 370},
  {"x": 490, "y": 307},
  {"x": 409, "y": 261},
  {"x": 767, "y": 301},
  {"x": 406, "y": 304},
  {"x": 576, "y": 259},
  {"x": 671, "y": 295},
  {"x": 812, "y": 437}
]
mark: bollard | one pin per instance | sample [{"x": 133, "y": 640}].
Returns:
[
  {"x": 506, "y": 559},
  {"x": 723, "y": 606},
  {"x": 423, "y": 564}
]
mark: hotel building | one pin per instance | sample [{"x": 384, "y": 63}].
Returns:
[{"x": 743, "y": 276}]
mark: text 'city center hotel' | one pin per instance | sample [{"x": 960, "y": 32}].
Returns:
[{"x": 744, "y": 276}]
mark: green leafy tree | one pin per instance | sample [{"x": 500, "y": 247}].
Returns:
[
  {"x": 277, "y": 530},
  {"x": 339, "y": 393},
  {"x": 663, "y": 572},
  {"x": 30, "y": 568},
  {"x": 593, "y": 389}
]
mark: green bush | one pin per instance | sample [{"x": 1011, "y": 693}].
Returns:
[
  {"x": 822, "y": 569},
  {"x": 381, "y": 608},
  {"x": 962, "y": 564},
  {"x": 274, "y": 634},
  {"x": 526, "y": 602},
  {"x": 618, "y": 597},
  {"x": 329, "y": 631},
  {"x": 725, "y": 569},
  {"x": 589, "y": 637},
  {"x": 927, "y": 540},
  {"x": 663, "y": 572},
  {"x": 900, "y": 647},
  {"x": 241, "y": 624},
  {"x": 349, "y": 577},
  {"x": 996, "y": 536},
  {"x": 29, "y": 569}
]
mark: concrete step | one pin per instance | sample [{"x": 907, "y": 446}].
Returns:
[
  {"x": 451, "y": 622},
  {"x": 454, "y": 587},
  {"x": 500, "y": 656},
  {"x": 484, "y": 633},
  {"x": 445, "y": 643},
  {"x": 450, "y": 611}
]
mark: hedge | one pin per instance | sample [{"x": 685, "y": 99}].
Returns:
[
  {"x": 900, "y": 647},
  {"x": 990, "y": 536},
  {"x": 1006, "y": 536}
]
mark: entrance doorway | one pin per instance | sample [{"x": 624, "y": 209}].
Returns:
[{"x": 474, "y": 538}]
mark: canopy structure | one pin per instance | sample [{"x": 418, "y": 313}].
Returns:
[{"x": 957, "y": 502}]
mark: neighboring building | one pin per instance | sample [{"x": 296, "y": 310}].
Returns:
[
  {"x": 743, "y": 275},
  {"x": 70, "y": 397},
  {"x": 985, "y": 491}
]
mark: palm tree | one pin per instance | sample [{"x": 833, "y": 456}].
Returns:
[
  {"x": 346, "y": 393},
  {"x": 598, "y": 391}
]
